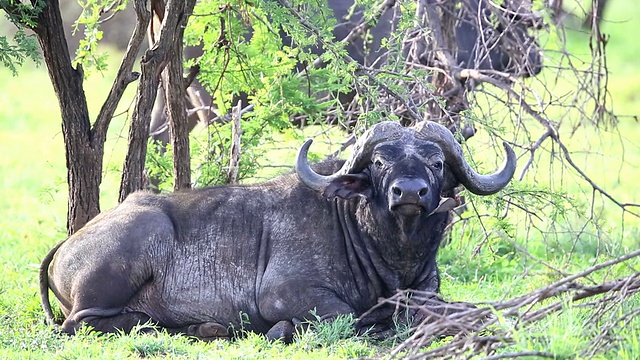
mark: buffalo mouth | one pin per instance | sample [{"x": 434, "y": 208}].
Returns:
[{"x": 408, "y": 209}]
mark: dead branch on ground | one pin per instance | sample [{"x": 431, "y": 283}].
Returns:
[{"x": 487, "y": 327}]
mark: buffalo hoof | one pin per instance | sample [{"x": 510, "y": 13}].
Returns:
[
  {"x": 283, "y": 331},
  {"x": 208, "y": 331}
]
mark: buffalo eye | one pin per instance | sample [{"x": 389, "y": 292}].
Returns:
[
  {"x": 437, "y": 165},
  {"x": 378, "y": 164}
]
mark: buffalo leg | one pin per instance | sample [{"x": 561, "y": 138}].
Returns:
[
  {"x": 103, "y": 321},
  {"x": 127, "y": 321},
  {"x": 207, "y": 331},
  {"x": 273, "y": 306},
  {"x": 282, "y": 330}
]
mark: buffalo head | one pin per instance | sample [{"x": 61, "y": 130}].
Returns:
[{"x": 406, "y": 170}]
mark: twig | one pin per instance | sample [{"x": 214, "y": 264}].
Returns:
[
  {"x": 234, "y": 156},
  {"x": 124, "y": 76}
]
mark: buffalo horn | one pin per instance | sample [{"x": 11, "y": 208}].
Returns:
[
  {"x": 312, "y": 179},
  {"x": 360, "y": 156},
  {"x": 472, "y": 181}
]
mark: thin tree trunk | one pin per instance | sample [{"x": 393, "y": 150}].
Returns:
[
  {"x": 234, "y": 151},
  {"x": 178, "y": 127},
  {"x": 175, "y": 93},
  {"x": 84, "y": 145},
  {"x": 594, "y": 18},
  {"x": 133, "y": 169},
  {"x": 152, "y": 64},
  {"x": 84, "y": 161}
]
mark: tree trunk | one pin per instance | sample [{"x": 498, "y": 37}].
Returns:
[
  {"x": 132, "y": 180},
  {"x": 84, "y": 145},
  {"x": 175, "y": 93},
  {"x": 594, "y": 18},
  {"x": 152, "y": 64},
  {"x": 178, "y": 127},
  {"x": 440, "y": 18},
  {"x": 84, "y": 161}
]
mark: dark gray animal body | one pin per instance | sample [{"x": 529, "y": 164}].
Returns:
[{"x": 192, "y": 262}]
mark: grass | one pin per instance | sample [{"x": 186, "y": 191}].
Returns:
[{"x": 33, "y": 209}]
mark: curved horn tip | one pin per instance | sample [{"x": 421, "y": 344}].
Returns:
[
  {"x": 508, "y": 149},
  {"x": 491, "y": 184},
  {"x": 302, "y": 154},
  {"x": 306, "y": 174},
  {"x": 511, "y": 157},
  {"x": 509, "y": 166}
]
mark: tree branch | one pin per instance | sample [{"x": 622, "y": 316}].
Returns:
[
  {"x": 153, "y": 62},
  {"x": 479, "y": 330},
  {"x": 124, "y": 76},
  {"x": 175, "y": 94}
]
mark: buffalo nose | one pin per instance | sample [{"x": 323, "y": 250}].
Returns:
[{"x": 408, "y": 191}]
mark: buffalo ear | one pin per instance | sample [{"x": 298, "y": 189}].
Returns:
[{"x": 349, "y": 186}]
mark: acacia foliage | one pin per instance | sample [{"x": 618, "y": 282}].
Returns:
[
  {"x": 13, "y": 52},
  {"x": 244, "y": 54},
  {"x": 246, "y": 64}
]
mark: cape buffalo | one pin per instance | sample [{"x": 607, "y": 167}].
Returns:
[{"x": 326, "y": 241}]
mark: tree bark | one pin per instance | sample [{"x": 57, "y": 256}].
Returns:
[
  {"x": 175, "y": 93},
  {"x": 152, "y": 64},
  {"x": 133, "y": 169},
  {"x": 594, "y": 18},
  {"x": 84, "y": 161},
  {"x": 178, "y": 127},
  {"x": 84, "y": 144}
]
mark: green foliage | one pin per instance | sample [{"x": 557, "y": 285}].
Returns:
[
  {"x": 244, "y": 54},
  {"x": 156, "y": 344},
  {"x": 87, "y": 53},
  {"x": 321, "y": 332},
  {"x": 23, "y": 14},
  {"x": 337, "y": 336},
  {"x": 212, "y": 152},
  {"x": 210, "y": 155},
  {"x": 245, "y": 59},
  {"x": 13, "y": 56},
  {"x": 159, "y": 165}
]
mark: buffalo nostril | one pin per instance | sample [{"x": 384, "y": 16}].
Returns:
[{"x": 409, "y": 191}]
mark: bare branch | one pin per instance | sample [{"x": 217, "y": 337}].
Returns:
[
  {"x": 624, "y": 206},
  {"x": 234, "y": 156},
  {"x": 124, "y": 76},
  {"x": 470, "y": 322}
]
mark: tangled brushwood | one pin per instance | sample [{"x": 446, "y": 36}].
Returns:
[{"x": 484, "y": 328}]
